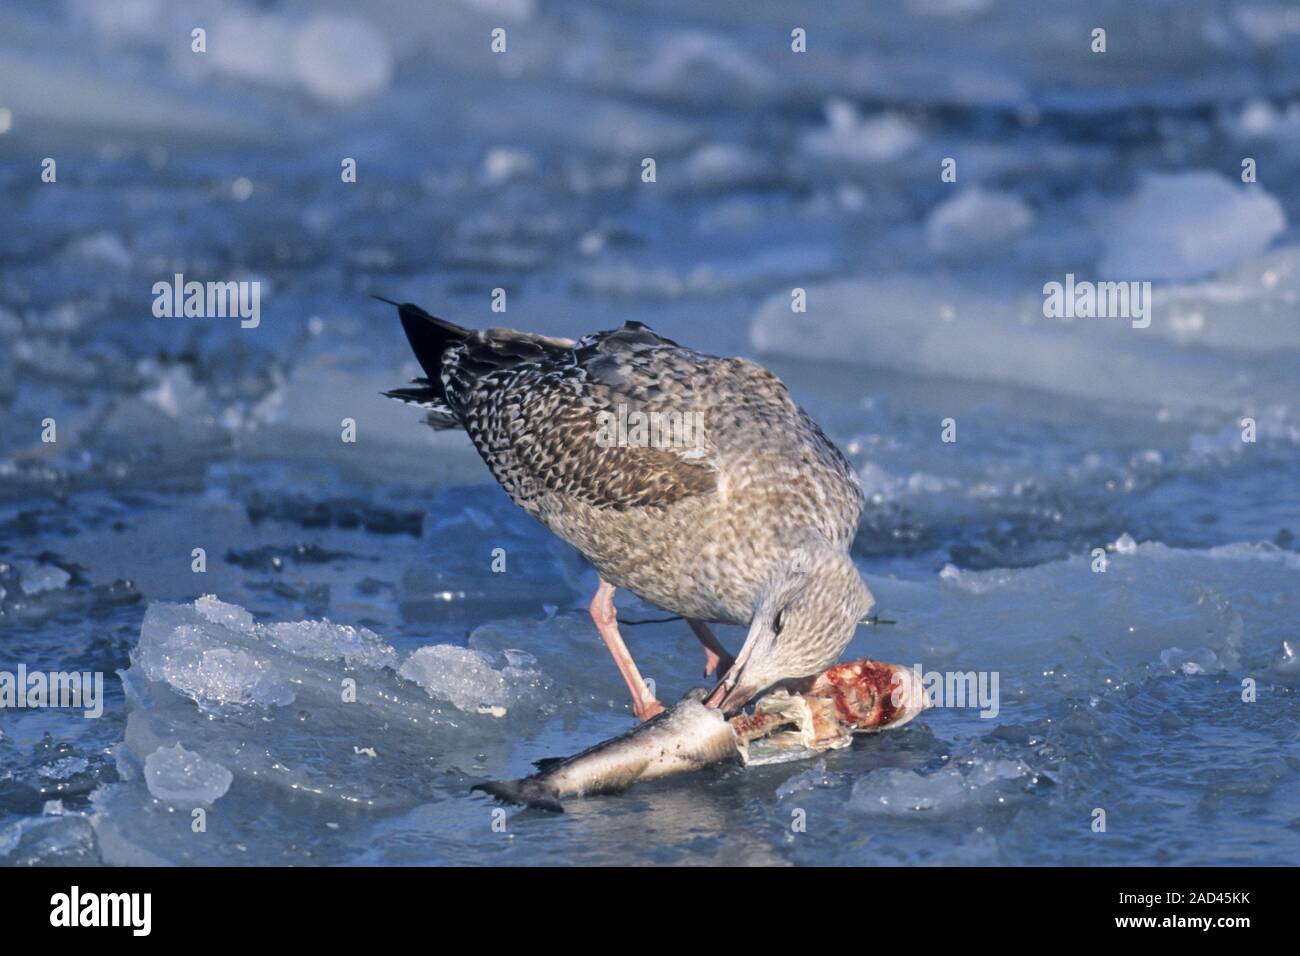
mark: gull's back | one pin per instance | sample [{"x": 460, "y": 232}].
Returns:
[{"x": 692, "y": 521}]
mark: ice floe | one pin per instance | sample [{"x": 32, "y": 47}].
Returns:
[{"x": 1187, "y": 225}]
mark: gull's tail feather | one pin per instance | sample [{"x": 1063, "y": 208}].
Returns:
[{"x": 429, "y": 337}]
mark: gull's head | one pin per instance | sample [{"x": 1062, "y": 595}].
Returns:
[{"x": 804, "y": 618}]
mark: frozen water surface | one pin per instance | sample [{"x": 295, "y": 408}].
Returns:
[{"x": 372, "y": 627}]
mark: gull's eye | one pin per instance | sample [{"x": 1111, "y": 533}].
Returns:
[{"x": 778, "y": 622}]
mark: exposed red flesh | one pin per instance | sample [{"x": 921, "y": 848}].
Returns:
[
  {"x": 858, "y": 695},
  {"x": 753, "y": 726},
  {"x": 863, "y": 692}
]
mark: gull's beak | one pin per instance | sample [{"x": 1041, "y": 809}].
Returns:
[
  {"x": 733, "y": 691},
  {"x": 731, "y": 695}
]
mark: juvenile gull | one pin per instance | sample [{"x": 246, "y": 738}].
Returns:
[{"x": 748, "y": 522}]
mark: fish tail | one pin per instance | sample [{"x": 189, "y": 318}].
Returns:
[{"x": 528, "y": 792}]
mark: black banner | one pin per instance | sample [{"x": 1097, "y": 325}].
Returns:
[{"x": 906, "y": 907}]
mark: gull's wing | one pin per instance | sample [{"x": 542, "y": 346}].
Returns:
[{"x": 545, "y": 414}]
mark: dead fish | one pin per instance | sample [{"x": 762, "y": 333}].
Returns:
[
  {"x": 790, "y": 723},
  {"x": 685, "y": 737}
]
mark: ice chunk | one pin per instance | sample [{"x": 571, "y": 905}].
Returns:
[
  {"x": 197, "y": 659},
  {"x": 211, "y": 608},
  {"x": 1188, "y": 225},
  {"x": 517, "y": 658},
  {"x": 176, "y": 393},
  {"x": 897, "y": 792},
  {"x": 1260, "y": 119},
  {"x": 347, "y": 702},
  {"x": 251, "y": 47},
  {"x": 301, "y": 419},
  {"x": 467, "y": 678},
  {"x": 322, "y": 640},
  {"x": 1287, "y": 661},
  {"x": 975, "y": 222},
  {"x": 976, "y": 582},
  {"x": 686, "y": 63},
  {"x": 44, "y": 577},
  {"x": 64, "y": 768},
  {"x": 726, "y": 166},
  {"x": 880, "y": 485},
  {"x": 1124, "y": 544},
  {"x": 187, "y": 657},
  {"x": 1105, "y": 628},
  {"x": 212, "y": 674},
  {"x": 850, "y": 137},
  {"x": 338, "y": 59},
  {"x": 1201, "y": 660},
  {"x": 102, "y": 249},
  {"x": 500, "y": 165},
  {"x": 941, "y": 326},
  {"x": 184, "y": 778},
  {"x": 1249, "y": 309},
  {"x": 812, "y": 779},
  {"x": 632, "y": 281},
  {"x": 50, "y": 840},
  {"x": 342, "y": 59}
]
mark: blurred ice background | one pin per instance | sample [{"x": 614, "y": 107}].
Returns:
[{"x": 371, "y": 561}]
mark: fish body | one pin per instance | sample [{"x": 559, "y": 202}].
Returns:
[
  {"x": 685, "y": 737},
  {"x": 814, "y": 715}
]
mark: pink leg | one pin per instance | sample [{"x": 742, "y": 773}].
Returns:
[
  {"x": 605, "y": 617},
  {"x": 716, "y": 659}
]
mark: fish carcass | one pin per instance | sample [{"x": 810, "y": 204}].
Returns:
[{"x": 790, "y": 723}]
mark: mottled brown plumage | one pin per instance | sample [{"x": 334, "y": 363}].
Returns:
[{"x": 746, "y": 519}]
